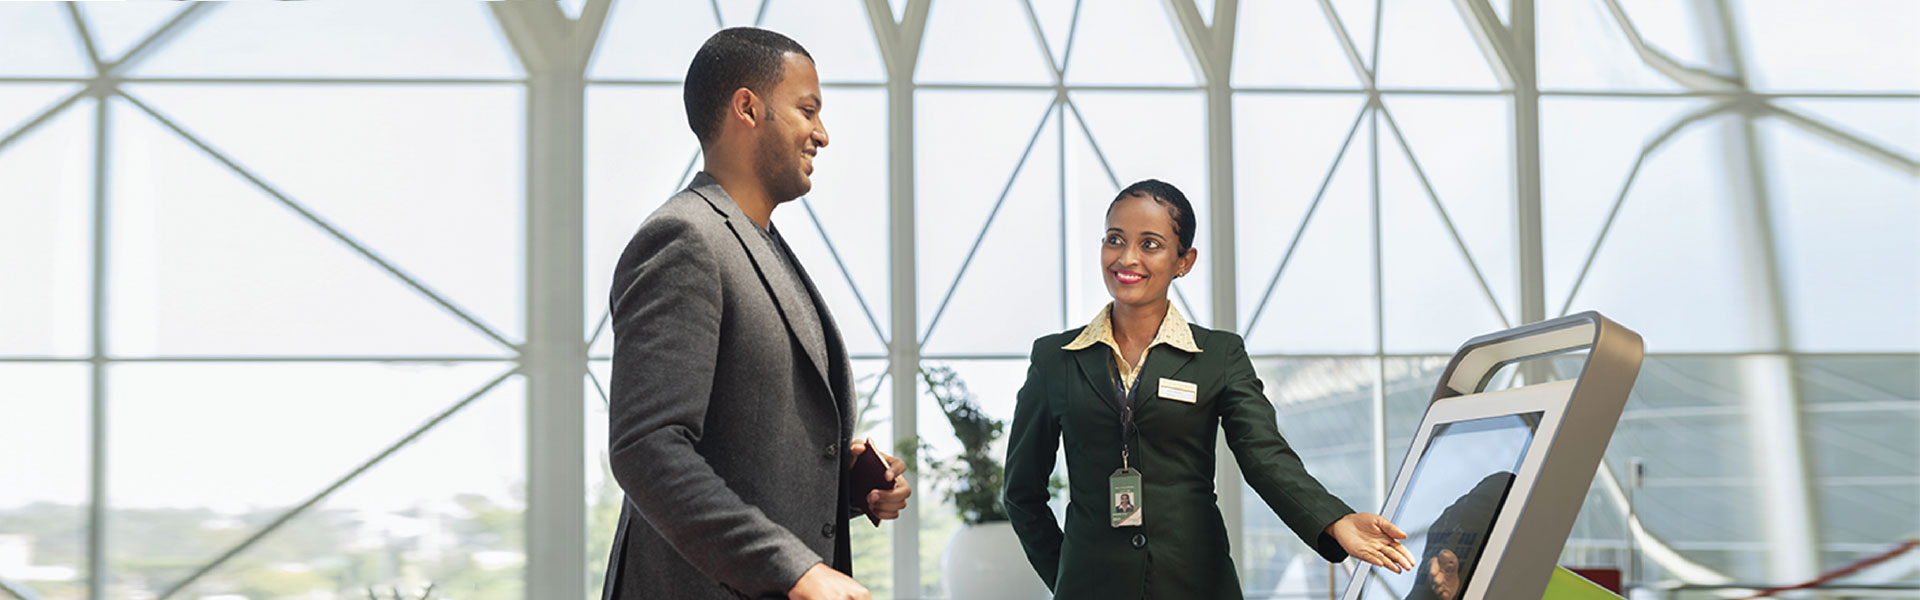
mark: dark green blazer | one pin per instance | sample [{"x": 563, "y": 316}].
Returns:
[{"x": 1182, "y": 551}]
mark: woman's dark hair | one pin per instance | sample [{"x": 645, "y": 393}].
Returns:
[{"x": 1170, "y": 197}]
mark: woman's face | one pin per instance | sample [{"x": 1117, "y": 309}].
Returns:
[{"x": 1140, "y": 253}]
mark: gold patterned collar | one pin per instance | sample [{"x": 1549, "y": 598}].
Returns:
[{"x": 1173, "y": 332}]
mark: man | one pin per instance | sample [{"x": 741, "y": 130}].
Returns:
[{"x": 731, "y": 405}]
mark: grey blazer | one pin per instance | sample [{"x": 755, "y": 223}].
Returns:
[{"x": 727, "y": 426}]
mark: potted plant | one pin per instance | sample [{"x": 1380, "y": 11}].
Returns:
[{"x": 983, "y": 560}]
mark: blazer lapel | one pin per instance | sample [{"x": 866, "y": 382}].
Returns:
[
  {"x": 1162, "y": 361},
  {"x": 1096, "y": 364},
  {"x": 835, "y": 346},
  {"x": 765, "y": 262}
]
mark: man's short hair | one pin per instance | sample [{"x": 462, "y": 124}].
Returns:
[{"x": 734, "y": 58}]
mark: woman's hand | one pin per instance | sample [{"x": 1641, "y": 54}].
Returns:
[{"x": 1371, "y": 538}]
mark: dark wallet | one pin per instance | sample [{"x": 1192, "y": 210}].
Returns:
[{"x": 869, "y": 473}]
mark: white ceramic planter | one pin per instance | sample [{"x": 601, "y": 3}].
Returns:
[{"x": 985, "y": 562}]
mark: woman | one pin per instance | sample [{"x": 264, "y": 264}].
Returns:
[{"x": 1138, "y": 395}]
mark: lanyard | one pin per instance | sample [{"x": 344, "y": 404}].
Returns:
[{"x": 1127, "y": 428}]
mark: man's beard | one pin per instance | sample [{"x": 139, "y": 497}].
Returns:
[{"x": 778, "y": 171}]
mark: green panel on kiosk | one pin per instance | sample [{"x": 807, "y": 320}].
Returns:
[{"x": 1567, "y": 585}]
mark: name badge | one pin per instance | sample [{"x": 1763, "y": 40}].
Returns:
[{"x": 1174, "y": 389}]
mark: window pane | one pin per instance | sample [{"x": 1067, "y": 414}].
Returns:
[
  {"x": 1129, "y": 42},
  {"x": 117, "y": 27},
  {"x": 1850, "y": 45},
  {"x": 1859, "y": 415},
  {"x": 964, "y": 167},
  {"x": 1680, "y": 232},
  {"x": 347, "y": 39},
  {"x": 1686, "y": 419},
  {"x": 1323, "y": 301},
  {"x": 1275, "y": 182},
  {"x": 43, "y": 508},
  {"x": 204, "y": 263},
  {"x": 37, "y": 40},
  {"x": 651, "y": 40},
  {"x": 1427, "y": 44},
  {"x": 1433, "y": 296},
  {"x": 1288, "y": 44},
  {"x": 1582, "y": 47},
  {"x": 1845, "y": 231},
  {"x": 837, "y": 34},
  {"x": 1588, "y": 148},
  {"x": 430, "y": 178},
  {"x": 445, "y": 508},
  {"x": 46, "y": 225},
  {"x": 1361, "y": 18},
  {"x": 985, "y": 41}
]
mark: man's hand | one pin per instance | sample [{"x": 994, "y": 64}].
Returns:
[
  {"x": 823, "y": 583},
  {"x": 886, "y": 504},
  {"x": 1371, "y": 538}
]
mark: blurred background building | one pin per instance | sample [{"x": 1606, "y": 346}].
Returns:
[{"x": 304, "y": 300}]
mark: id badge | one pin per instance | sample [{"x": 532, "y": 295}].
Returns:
[{"x": 1124, "y": 498}]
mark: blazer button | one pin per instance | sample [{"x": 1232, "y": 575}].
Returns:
[
  {"x": 1139, "y": 540},
  {"x": 827, "y": 530},
  {"x": 832, "y": 449}
]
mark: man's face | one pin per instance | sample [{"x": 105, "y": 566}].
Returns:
[{"x": 791, "y": 132}]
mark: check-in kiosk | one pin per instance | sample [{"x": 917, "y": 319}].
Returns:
[{"x": 1493, "y": 480}]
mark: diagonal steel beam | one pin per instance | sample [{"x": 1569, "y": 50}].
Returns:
[
  {"x": 1093, "y": 143},
  {"x": 1848, "y": 141},
  {"x": 605, "y": 400},
  {"x": 1057, "y": 68},
  {"x": 85, "y": 33},
  {"x": 191, "y": 12},
  {"x": 1445, "y": 219},
  {"x": 1691, "y": 77},
  {"x": 323, "y": 224},
  {"x": 298, "y": 509},
  {"x": 1073, "y": 33},
  {"x": 988, "y": 226},
  {"x": 1312, "y": 207},
  {"x": 1646, "y": 152},
  {"x": 41, "y": 119},
  {"x": 1495, "y": 40},
  {"x": 844, "y": 273},
  {"x": 1360, "y": 69}
]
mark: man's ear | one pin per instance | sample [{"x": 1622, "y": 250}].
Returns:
[{"x": 741, "y": 107}]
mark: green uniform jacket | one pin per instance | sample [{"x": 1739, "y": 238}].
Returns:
[{"x": 1181, "y": 552}]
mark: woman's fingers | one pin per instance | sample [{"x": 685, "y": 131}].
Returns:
[
  {"x": 1391, "y": 530},
  {"x": 1401, "y": 555},
  {"x": 1379, "y": 559}
]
